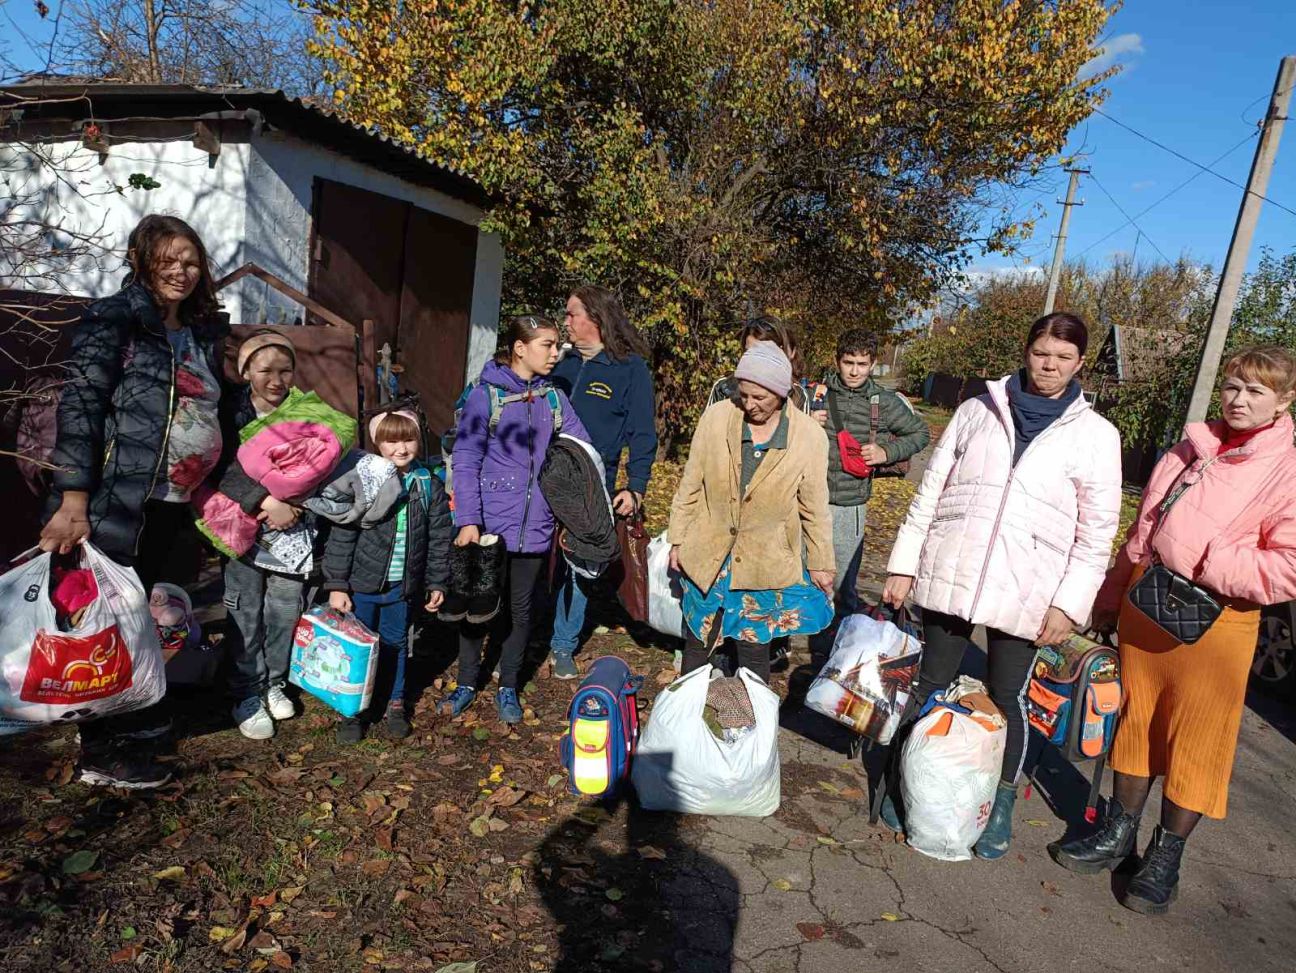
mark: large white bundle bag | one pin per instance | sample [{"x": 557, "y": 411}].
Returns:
[
  {"x": 111, "y": 662},
  {"x": 866, "y": 682},
  {"x": 949, "y": 769},
  {"x": 665, "y": 593},
  {"x": 681, "y": 766}
]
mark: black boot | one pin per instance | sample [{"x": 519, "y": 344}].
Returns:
[
  {"x": 455, "y": 606},
  {"x": 1156, "y": 884},
  {"x": 488, "y": 581},
  {"x": 1106, "y": 848}
]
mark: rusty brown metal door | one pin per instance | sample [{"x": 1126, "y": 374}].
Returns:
[
  {"x": 358, "y": 251},
  {"x": 409, "y": 271},
  {"x": 436, "y": 298}
]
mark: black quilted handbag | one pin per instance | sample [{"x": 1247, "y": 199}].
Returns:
[{"x": 1183, "y": 610}]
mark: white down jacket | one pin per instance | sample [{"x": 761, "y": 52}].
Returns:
[{"x": 997, "y": 544}]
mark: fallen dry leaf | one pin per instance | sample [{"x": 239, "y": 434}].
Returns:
[
  {"x": 290, "y": 893},
  {"x": 376, "y": 867},
  {"x": 651, "y": 853},
  {"x": 810, "y": 930},
  {"x": 176, "y": 873},
  {"x": 127, "y": 954},
  {"x": 506, "y": 796}
]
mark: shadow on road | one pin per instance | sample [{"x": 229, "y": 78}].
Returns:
[{"x": 646, "y": 898}]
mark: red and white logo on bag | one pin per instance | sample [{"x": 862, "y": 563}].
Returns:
[{"x": 67, "y": 669}]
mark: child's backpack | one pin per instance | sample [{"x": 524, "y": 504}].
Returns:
[
  {"x": 604, "y": 730},
  {"x": 1074, "y": 697},
  {"x": 1073, "y": 702},
  {"x": 498, "y": 399}
]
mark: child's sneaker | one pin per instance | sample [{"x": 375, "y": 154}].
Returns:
[
  {"x": 280, "y": 706},
  {"x": 506, "y": 701},
  {"x": 350, "y": 731},
  {"x": 398, "y": 724},
  {"x": 563, "y": 665},
  {"x": 253, "y": 719},
  {"x": 457, "y": 701}
]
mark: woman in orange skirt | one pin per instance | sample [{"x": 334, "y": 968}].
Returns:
[{"x": 1220, "y": 512}]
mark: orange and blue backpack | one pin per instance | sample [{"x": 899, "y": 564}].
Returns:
[
  {"x": 604, "y": 729},
  {"x": 1074, "y": 700}
]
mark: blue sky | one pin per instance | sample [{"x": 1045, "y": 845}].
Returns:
[{"x": 1196, "y": 77}]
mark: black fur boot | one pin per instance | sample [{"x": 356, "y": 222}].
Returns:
[
  {"x": 455, "y": 606},
  {"x": 488, "y": 581}
]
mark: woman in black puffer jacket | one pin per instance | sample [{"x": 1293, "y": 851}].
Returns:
[{"x": 138, "y": 430}]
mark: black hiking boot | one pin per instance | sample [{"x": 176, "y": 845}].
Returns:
[
  {"x": 1156, "y": 884},
  {"x": 1106, "y": 848}
]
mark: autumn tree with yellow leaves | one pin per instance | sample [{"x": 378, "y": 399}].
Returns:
[{"x": 823, "y": 161}]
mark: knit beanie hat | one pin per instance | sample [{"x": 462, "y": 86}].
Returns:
[
  {"x": 261, "y": 340},
  {"x": 765, "y": 364}
]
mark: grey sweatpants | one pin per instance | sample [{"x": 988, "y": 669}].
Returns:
[{"x": 848, "y": 549}]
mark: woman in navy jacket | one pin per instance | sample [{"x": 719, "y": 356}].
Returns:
[{"x": 607, "y": 379}]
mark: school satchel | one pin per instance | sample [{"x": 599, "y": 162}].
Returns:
[
  {"x": 1074, "y": 697},
  {"x": 886, "y": 441}
]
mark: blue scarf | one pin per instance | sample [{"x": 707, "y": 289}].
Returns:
[{"x": 1031, "y": 413}]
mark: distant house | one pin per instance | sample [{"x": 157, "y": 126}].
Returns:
[
  {"x": 384, "y": 239},
  {"x": 1131, "y": 353}
]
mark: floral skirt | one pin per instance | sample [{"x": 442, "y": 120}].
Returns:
[{"x": 756, "y": 616}]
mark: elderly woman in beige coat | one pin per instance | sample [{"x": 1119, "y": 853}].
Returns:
[{"x": 754, "y": 495}]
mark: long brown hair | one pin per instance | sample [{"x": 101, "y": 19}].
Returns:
[
  {"x": 620, "y": 338},
  {"x": 522, "y": 328},
  {"x": 144, "y": 248}
]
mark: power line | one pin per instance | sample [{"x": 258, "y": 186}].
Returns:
[
  {"x": 1176, "y": 189},
  {"x": 1194, "y": 162},
  {"x": 1129, "y": 219}
]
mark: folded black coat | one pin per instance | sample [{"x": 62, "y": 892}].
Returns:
[{"x": 572, "y": 482}]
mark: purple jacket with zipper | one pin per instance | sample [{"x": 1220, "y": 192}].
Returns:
[{"x": 497, "y": 477}]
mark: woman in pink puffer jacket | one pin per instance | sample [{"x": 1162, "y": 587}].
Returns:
[{"x": 1012, "y": 529}]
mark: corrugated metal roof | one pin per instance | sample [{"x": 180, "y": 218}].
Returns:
[{"x": 75, "y": 98}]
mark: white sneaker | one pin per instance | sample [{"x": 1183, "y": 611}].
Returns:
[
  {"x": 281, "y": 707},
  {"x": 253, "y": 719}
]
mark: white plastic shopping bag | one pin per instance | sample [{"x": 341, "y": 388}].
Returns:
[
  {"x": 110, "y": 662},
  {"x": 682, "y": 766},
  {"x": 665, "y": 592},
  {"x": 869, "y": 677},
  {"x": 949, "y": 768}
]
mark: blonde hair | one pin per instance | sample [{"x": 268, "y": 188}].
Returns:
[{"x": 1271, "y": 365}]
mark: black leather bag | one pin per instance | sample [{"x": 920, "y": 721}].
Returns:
[{"x": 1183, "y": 610}]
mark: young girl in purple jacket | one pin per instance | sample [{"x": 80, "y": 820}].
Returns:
[{"x": 497, "y": 491}]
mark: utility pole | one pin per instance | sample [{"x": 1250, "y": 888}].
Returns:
[
  {"x": 1235, "y": 264},
  {"x": 1059, "y": 251}
]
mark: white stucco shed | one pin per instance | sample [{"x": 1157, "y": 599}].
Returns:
[{"x": 359, "y": 223}]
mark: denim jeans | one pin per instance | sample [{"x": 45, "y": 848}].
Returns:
[
  {"x": 265, "y": 607},
  {"x": 387, "y": 614},
  {"x": 569, "y": 612}
]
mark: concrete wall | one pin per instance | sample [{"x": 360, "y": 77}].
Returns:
[{"x": 63, "y": 185}]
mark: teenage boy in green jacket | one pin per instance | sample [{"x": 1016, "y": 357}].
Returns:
[{"x": 900, "y": 433}]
